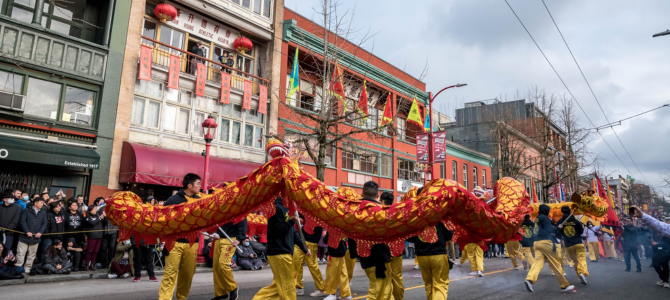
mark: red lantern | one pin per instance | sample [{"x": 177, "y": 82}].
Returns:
[
  {"x": 242, "y": 44},
  {"x": 165, "y": 12}
]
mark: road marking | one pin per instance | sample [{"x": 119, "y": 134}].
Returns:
[{"x": 451, "y": 280}]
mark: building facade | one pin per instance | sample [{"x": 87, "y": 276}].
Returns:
[
  {"x": 387, "y": 157},
  {"x": 158, "y": 137},
  {"x": 60, "y": 72}
]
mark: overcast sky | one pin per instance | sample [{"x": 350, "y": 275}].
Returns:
[{"x": 482, "y": 44}]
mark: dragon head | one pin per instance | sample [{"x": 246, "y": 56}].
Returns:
[{"x": 276, "y": 148}]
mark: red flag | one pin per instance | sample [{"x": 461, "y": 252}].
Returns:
[
  {"x": 262, "y": 99},
  {"x": 200, "y": 80},
  {"x": 387, "y": 117},
  {"x": 363, "y": 101},
  {"x": 532, "y": 184},
  {"x": 246, "y": 98},
  {"x": 173, "y": 74},
  {"x": 336, "y": 85},
  {"x": 145, "y": 62},
  {"x": 225, "y": 88}
]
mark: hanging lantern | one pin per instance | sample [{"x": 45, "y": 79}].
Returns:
[
  {"x": 165, "y": 12},
  {"x": 242, "y": 44}
]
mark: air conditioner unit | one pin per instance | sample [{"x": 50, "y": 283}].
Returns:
[{"x": 12, "y": 101}]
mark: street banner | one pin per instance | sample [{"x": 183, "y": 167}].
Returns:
[
  {"x": 337, "y": 86},
  {"x": 225, "y": 88},
  {"x": 414, "y": 116},
  {"x": 439, "y": 146},
  {"x": 173, "y": 74},
  {"x": 262, "y": 99},
  {"x": 363, "y": 103},
  {"x": 200, "y": 80},
  {"x": 387, "y": 117},
  {"x": 422, "y": 148},
  {"x": 145, "y": 63},
  {"x": 246, "y": 97}
]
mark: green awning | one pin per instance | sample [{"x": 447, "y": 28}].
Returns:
[{"x": 48, "y": 153}]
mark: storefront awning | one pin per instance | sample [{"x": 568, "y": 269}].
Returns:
[
  {"x": 48, "y": 153},
  {"x": 160, "y": 166}
]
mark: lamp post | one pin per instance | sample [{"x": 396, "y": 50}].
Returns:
[
  {"x": 207, "y": 127},
  {"x": 429, "y": 167}
]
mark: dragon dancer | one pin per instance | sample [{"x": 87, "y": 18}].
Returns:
[
  {"x": 225, "y": 286},
  {"x": 571, "y": 230},
  {"x": 473, "y": 250},
  {"x": 434, "y": 263},
  {"x": 350, "y": 258},
  {"x": 396, "y": 262},
  {"x": 527, "y": 242},
  {"x": 336, "y": 271},
  {"x": 299, "y": 257}
]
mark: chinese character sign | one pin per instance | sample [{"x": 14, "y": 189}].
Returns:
[
  {"x": 173, "y": 74},
  {"x": 439, "y": 146},
  {"x": 262, "y": 99},
  {"x": 145, "y": 63},
  {"x": 422, "y": 148},
  {"x": 225, "y": 88},
  {"x": 200, "y": 80},
  {"x": 246, "y": 98}
]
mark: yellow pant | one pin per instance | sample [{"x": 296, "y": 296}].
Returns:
[
  {"x": 566, "y": 257},
  {"x": 283, "y": 282},
  {"x": 527, "y": 253},
  {"x": 416, "y": 260},
  {"x": 513, "y": 252},
  {"x": 336, "y": 274},
  {"x": 609, "y": 249},
  {"x": 396, "y": 278},
  {"x": 594, "y": 250},
  {"x": 476, "y": 256},
  {"x": 578, "y": 255},
  {"x": 350, "y": 263},
  {"x": 451, "y": 250},
  {"x": 179, "y": 270},
  {"x": 435, "y": 274},
  {"x": 299, "y": 258},
  {"x": 544, "y": 252},
  {"x": 224, "y": 282},
  {"x": 380, "y": 288}
]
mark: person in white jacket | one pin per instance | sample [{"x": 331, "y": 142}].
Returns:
[
  {"x": 591, "y": 233},
  {"x": 655, "y": 225}
]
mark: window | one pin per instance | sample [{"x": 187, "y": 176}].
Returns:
[
  {"x": 474, "y": 176},
  {"x": 401, "y": 127},
  {"x": 179, "y": 96},
  {"x": 454, "y": 173},
  {"x": 261, "y": 7},
  {"x": 177, "y": 119},
  {"x": 207, "y": 103},
  {"x": 11, "y": 84},
  {"x": 149, "y": 88},
  {"x": 44, "y": 99},
  {"x": 248, "y": 135},
  {"x": 78, "y": 106},
  {"x": 225, "y": 130},
  {"x": 258, "y": 137},
  {"x": 306, "y": 95},
  {"x": 484, "y": 178},
  {"x": 369, "y": 164},
  {"x": 465, "y": 175},
  {"x": 407, "y": 170},
  {"x": 172, "y": 37},
  {"x": 298, "y": 143},
  {"x": 254, "y": 116},
  {"x": 146, "y": 113},
  {"x": 443, "y": 171},
  {"x": 387, "y": 162},
  {"x": 236, "y": 135},
  {"x": 245, "y": 64}
]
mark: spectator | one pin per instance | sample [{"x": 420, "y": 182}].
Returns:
[
  {"x": 248, "y": 258},
  {"x": 17, "y": 198},
  {"x": 82, "y": 208},
  {"x": 162, "y": 202},
  {"x": 10, "y": 213},
  {"x": 33, "y": 223},
  {"x": 410, "y": 250},
  {"x": 45, "y": 196},
  {"x": 197, "y": 54},
  {"x": 74, "y": 253},
  {"x": 25, "y": 198},
  {"x": 322, "y": 250},
  {"x": 55, "y": 226},
  {"x": 205, "y": 252},
  {"x": 174, "y": 192},
  {"x": 630, "y": 238},
  {"x": 8, "y": 268},
  {"x": 660, "y": 259},
  {"x": 94, "y": 222},
  {"x": 56, "y": 260},
  {"x": 655, "y": 225},
  {"x": 142, "y": 255},
  {"x": 74, "y": 223},
  {"x": 121, "y": 262},
  {"x": 592, "y": 233},
  {"x": 109, "y": 237},
  {"x": 151, "y": 200}
]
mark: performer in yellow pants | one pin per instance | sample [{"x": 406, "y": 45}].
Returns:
[
  {"x": 380, "y": 288},
  {"x": 476, "y": 256},
  {"x": 283, "y": 283},
  {"x": 594, "y": 250},
  {"x": 528, "y": 255},
  {"x": 578, "y": 255},
  {"x": 571, "y": 231},
  {"x": 350, "y": 262},
  {"x": 435, "y": 274},
  {"x": 396, "y": 274},
  {"x": 179, "y": 270},
  {"x": 527, "y": 242},
  {"x": 299, "y": 258},
  {"x": 336, "y": 275},
  {"x": 451, "y": 250},
  {"x": 610, "y": 252},
  {"x": 513, "y": 252},
  {"x": 224, "y": 282},
  {"x": 566, "y": 257}
]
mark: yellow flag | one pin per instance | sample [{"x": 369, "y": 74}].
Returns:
[{"x": 414, "y": 116}]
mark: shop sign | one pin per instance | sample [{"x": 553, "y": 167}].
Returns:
[
  {"x": 440, "y": 146},
  {"x": 206, "y": 28},
  {"x": 422, "y": 148},
  {"x": 405, "y": 185}
]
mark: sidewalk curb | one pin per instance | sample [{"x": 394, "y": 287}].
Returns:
[{"x": 102, "y": 274}]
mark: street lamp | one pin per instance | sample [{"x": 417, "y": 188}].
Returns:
[
  {"x": 430, "y": 111},
  {"x": 662, "y": 33},
  {"x": 208, "y": 126}
]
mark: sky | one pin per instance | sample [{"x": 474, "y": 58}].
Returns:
[{"x": 481, "y": 43}]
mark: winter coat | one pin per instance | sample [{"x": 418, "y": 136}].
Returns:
[
  {"x": 59, "y": 259},
  {"x": 55, "y": 224},
  {"x": 246, "y": 251},
  {"x": 34, "y": 222},
  {"x": 74, "y": 222},
  {"x": 109, "y": 227},
  {"x": 656, "y": 225},
  {"x": 121, "y": 248},
  {"x": 9, "y": 216},
  {"x": 94, "y": 225},
  {"x": 591, "y": 233}
]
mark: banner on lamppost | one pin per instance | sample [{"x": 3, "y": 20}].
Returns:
[
  {"x": 225, "y": 88},
  {"x": 145, "y": 62},
  {"x": 439, "y": 146},
  {"x": 262, "y": 98},
  {"x": 200, "y": 80},
  {"x": 173, "y": 74},
  {"x": 246, "y": 97},
  {"x": 422, "y": 151}
]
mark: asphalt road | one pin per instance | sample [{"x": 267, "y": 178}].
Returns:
[{"x": 607, "y": 281}]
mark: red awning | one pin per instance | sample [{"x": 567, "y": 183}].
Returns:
[{"x": 160, "y": 166}]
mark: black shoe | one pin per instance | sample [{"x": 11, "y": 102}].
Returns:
[
  {"x": 224, "y": 297},
  {"x": 639, "y": 270},
  {"x": 233, "y": 294},
  {"x": 627, "y": 270}
]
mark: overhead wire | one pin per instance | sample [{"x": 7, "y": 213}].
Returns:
[
  {"x": 591, "y": 89},
  {"x": 565, "y": 85}
]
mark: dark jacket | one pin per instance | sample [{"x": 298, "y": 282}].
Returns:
[
  {"x": 179, "y": 198},
  {"x": 380, "y": 254},
  {"x": 197, "y": 51},
  {"x": 572, "y": 230},
  {"x": 341, "y": 249},
  {"x": 10, "y": 216},
  {"x": 281, "y": 233},
  {"x": 528, "y": 238},
  {"x": 353, "y": 250},
  {"x": 59, "y": 259},
  {"x": 427, "y": 249},
  {"x": 33, "y": 222},
  {"x": 544, "y": 230},
  {"x": 74, "y": 222},
  {"x": 246, "y": 252},
  {"x": 238, "y": 231},
  {"x": 95, "y": 226},
  {"x": 122, "y": 248},
  {"x": 55, "y": 224},
  {"x": 631, "y": 236},
  {"x": 314, "y": 237}
]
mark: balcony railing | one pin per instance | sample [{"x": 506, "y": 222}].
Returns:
[{"x": 161, "y": 56}]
